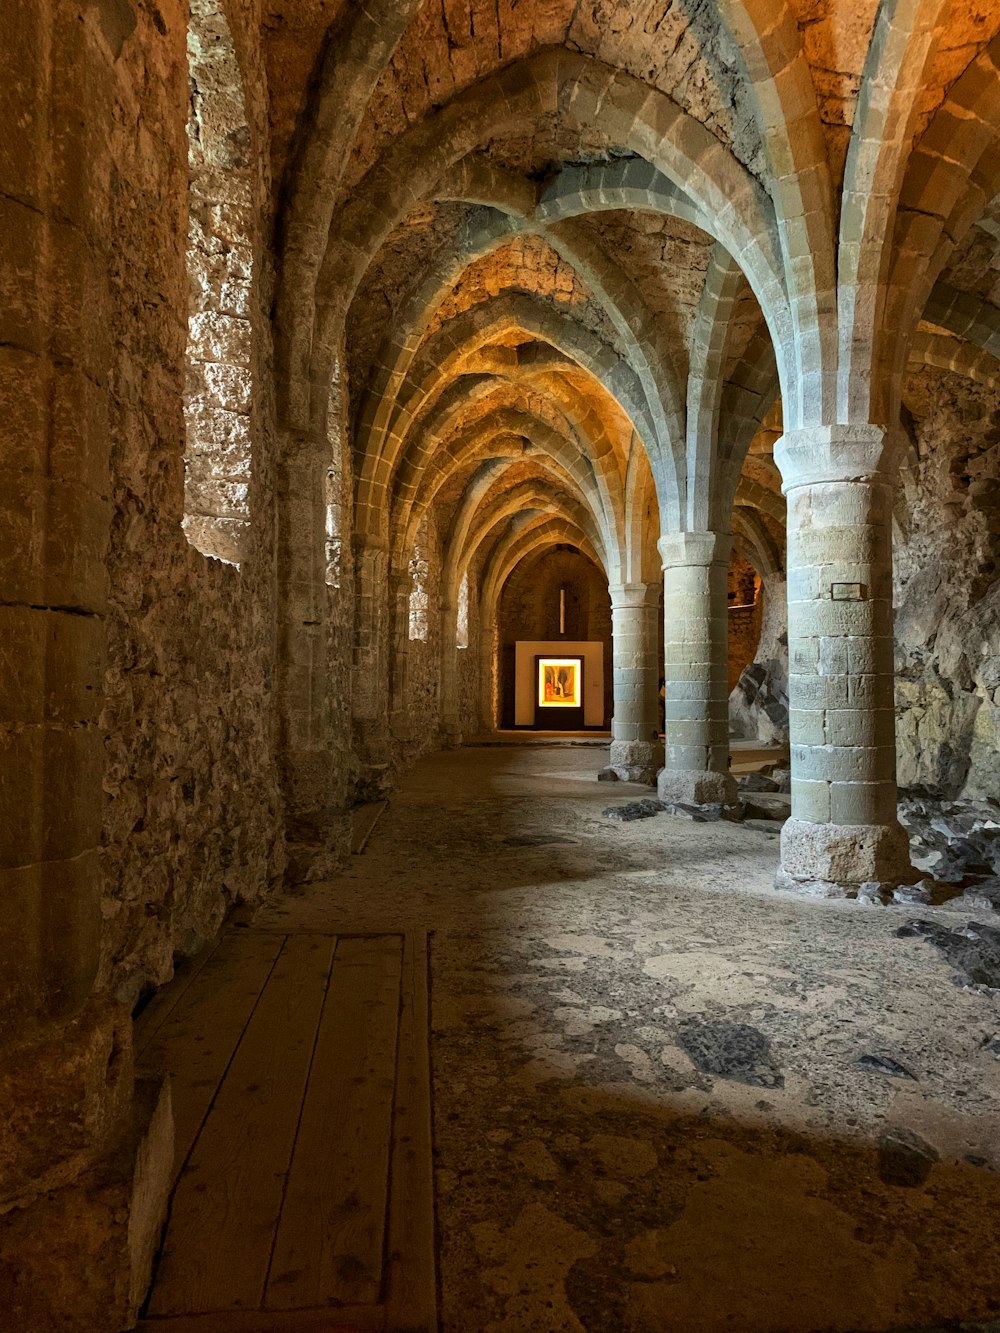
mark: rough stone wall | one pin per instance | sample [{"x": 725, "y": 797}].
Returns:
[
  {"x": 529, "y": 609},
  {"x": 744, "y": 616},
  {"x": 340, "y": 598},
  {"x": 758, "y": 703},
  {"x": 470, "y": 663},
  {"x": 675, "y": 45},
  {"x": 947, "y": 593},
  {"x": 218, "y": 382},
  {"x": 423, "y": 666},
  {"x": 192, "y": 815},
  {"x": 527, "y": 262}
]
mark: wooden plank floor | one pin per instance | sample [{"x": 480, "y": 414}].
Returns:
[{"x": 301, "y": 1083}]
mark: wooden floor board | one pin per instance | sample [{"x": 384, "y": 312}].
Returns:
[
  {"x": 412, "y": 1285},
  {"x": 226, "y": 1205},
  {"x": 351, "y": 1319},
  {"x": 363, "y": 825},
  {"x": 195, "y": 1043},
  {"x": 167, "y": 998},
  {"x": 329, "y": 1246},
  {"x": 302, "y": 1079}
]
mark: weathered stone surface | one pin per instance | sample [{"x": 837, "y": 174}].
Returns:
[
  {"x": 904, "y": 1158},
  {"x": 731, "y": 1050},
  {"x": 79, "y": 1258},
  {"x": 66, "y": 1091},
  {"x": 767, "y": 805},
  {"x": 756, "y": 782},
  {"x": 947, "y": 622},
  {"x": 885, "y": 1064},
  {"x": 644, "y": 809},
  {"x": 974, "y": 951},
  {"x": 921, "y": 892},
  {"x": 758, "y": 705}
]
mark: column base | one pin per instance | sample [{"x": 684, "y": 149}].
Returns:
[
  {"x": 636, "y": 761},
  {"x": 79, "y": 1259},
  {"x": 843, "y": 860},
  {"x": 696, "y": 787}
]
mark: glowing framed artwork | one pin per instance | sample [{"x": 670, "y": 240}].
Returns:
[{"x": 560, "y": 682}]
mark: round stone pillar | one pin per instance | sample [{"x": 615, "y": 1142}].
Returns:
[
  {"x": 487, "y": 676},
  {"x": 635, "y": 744},
  {"x": 370, "y": 684},
  {"x": 400, "y": 585},
  {"x": 843, "y": 831},
  {"x": 696, "y": 668},
  {"x": 451, "y": 727}
]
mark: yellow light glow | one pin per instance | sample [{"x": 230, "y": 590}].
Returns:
[{"x": 560, "y": 682}]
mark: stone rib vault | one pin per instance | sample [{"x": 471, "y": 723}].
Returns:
[{"x": 343, "y": 349}]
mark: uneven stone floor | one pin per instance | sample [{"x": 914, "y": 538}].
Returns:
[{"x": 667, "y": 1097}]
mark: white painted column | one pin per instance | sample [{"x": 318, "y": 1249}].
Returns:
[
  {"x": 696, "y": 668},
  {"x": 843, "y": 831},
  {"x": 635, "y": 726}
]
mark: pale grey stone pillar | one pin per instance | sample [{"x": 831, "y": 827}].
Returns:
[
  {"x": 843, "y": 831},
  {"x": 635, "y": 730},
  {"x": 696, "y": 668}
]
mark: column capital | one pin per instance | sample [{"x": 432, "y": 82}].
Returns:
[
  {"x": 813, "y": 455},
  {"x": 695, "y": 548},
  {"x": 625, "y": 596}
]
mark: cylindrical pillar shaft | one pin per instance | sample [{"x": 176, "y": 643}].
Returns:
[
  {"x": 696, "y": 668},
  {"x": 635, "y": 747},
  {"x": 487, "y": 676},
  {"x": 451, "y": 728},
  {"x": 370, "y": 686},
  {"x": 400, "y": 583},
  {"x": 843, "y": 831}
]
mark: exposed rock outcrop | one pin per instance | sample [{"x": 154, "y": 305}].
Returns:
[{"x": 947, "y": 593}]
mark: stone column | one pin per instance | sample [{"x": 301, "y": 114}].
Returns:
[
  {"x": 371, "y": 675},
  {"x": 304, "y": 756},
  {"x": 488, "y": 668},
  {"x": 451, "y": 729},
  {"x": 696, "y": 668},
  {"x": 400, "y": 584},
  {"x": 843, "y": 831},
  {"x": 635, "y": 746}
]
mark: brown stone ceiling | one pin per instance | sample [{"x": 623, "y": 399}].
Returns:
[
  {"x": 650, "y": 263},
  {"x": 674, "y": 45},
  {"x": 527, "y": 263},
  {"x": 400, "y": 264},
  {"x": 293, "y": 34},
  {"x": 968, "y": 26},
  {"x": 665, "y": 258},
  {"x": 975, "y": 265}
]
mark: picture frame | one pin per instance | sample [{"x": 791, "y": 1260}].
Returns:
[{"x": 559, "y": 682}]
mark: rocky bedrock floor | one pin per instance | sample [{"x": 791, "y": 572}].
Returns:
[{"x": 667, "y": 1097}]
